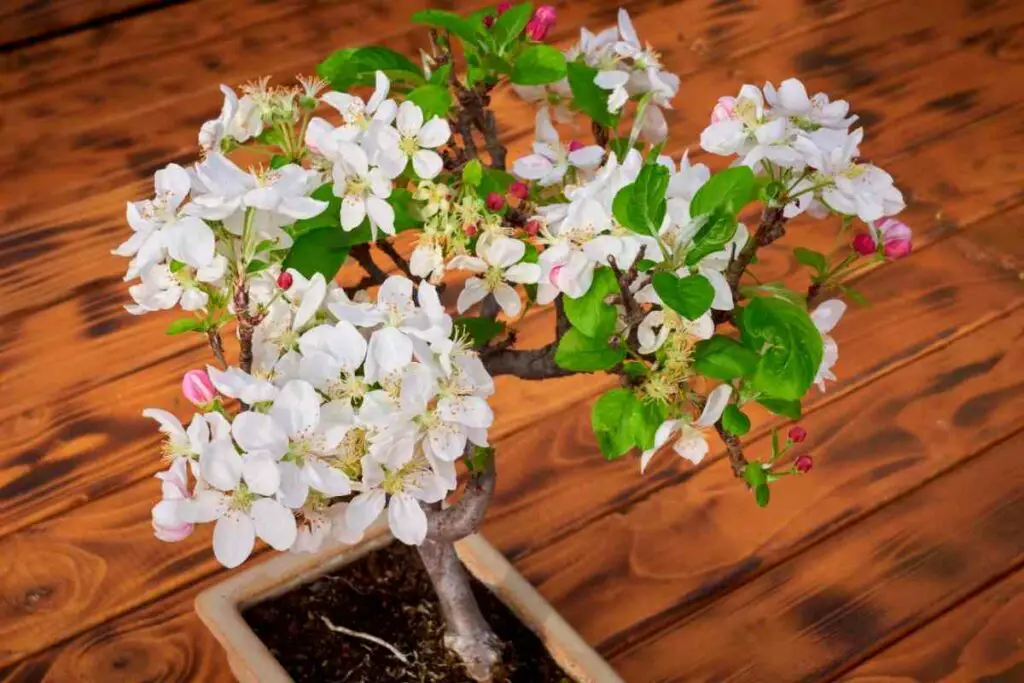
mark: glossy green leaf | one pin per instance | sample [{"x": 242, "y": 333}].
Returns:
[
  {"x": 538, "y": 65},
  {"x": 789, "y": 344},
  {"x": 185, "y": 325},
  {"x": 509, "y": 25},
  {"x": 449, "y": 21},
  {"x": 590, "y": 314},
  {"x": 735, "y": 420},
  {"x": 724, "y": 358},
  {"x": 580, "y": 353},
  {"x": 611, "y": 418},
  {"x": 434, "y": 100},
  {"x": 480, "y": 330},
  {"x": 587, "y": 97},
  {"x": 729, "y": 190},
  {"x": 790, "y": 409},
  {"x": 320, "y": 251},
  {"x": 358, "y": 66},
  {"x": 690, "y": 297}
]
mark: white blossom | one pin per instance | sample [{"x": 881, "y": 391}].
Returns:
[
  {"x": 688, "y": 436},
  {"x": 498, "y": 261}
]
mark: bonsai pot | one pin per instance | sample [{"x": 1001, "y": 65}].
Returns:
[{"x": 221, "y": 606}]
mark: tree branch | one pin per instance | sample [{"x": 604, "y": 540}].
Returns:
[
  {"x": 217, "y": 344},
  {"x": 771, "y": 228},
  {"x": 463, "y": 518},
  {"x": 396, "y": 258},
  {"x": 735, "y": 449}
]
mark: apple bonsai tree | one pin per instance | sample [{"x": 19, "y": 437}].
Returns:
[{"x": 343, "y": 403}]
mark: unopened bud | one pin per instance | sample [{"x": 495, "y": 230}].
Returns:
[
  {"x": 797, "y": 434},
  {"x": 532, "y": 227},
  {"x": 803, "y": 464},
  {"x": 863, "y": 244},
  {"x": 285, "y": 280},
  {"x": 489, "y": 20},
  {"x": 471, "y": 230},
  {"x": 541, "y": 22},
  {"x": 897, "y": 249},
  {"x": 495, "y": 201},
  {"x": 197, "y": 388},
  {"x": 575, "y": 145},
  {"x": 519, "y": 190},
  {"x": 504, "y": 6}
]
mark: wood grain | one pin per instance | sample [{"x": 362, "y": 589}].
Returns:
[
  {"x": 870, "y": 446},
  {"x": 26, "y": 22},
  {"x": 981, "y": 639},
  {"x": 858, "y": 590}
]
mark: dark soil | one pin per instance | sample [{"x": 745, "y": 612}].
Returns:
[{"x": 386, "y": 594}]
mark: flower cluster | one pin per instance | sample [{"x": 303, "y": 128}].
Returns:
[
  {"x": 373, "y": 403},
  {"x": 806, "y": 145}
]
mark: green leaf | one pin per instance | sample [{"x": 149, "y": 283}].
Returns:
[
  {"x": 358, "y": 66},
  {"x": 509, "y": 26},
  {"x": 811, "y": 259},
  {"x": 611, "y": 419},
  {"x": 472, "y": 173},
  {"x": 319, "y": 251},
  {"x": 735, "y": 420},
  {"x": 495, "y": 180},
  {"x": 256, "y": 266},
  {"x": 790, "y": 409},
  {"x": 690, "y": 297},
  {"x": 773, "y": 289},
  {"x": 539, "y": 64},
  {"x": 712, "y": 237},
  {"x": 620, "y": 147},
  {"x": 580, "y": 353},
  {"x": 587, "y": 97},
  {"x": 279, "y": 160},
  {"x": 434, "y": 100},
  {"x": 729, "y": 190},
  {"x": 641, "y": 206},
  {"x": 185, "y": 325},
  {"x": 644, "y": 422},
  {"x": 755, "y": 475},
  {"x": 634, "y": 369},
  {"x": 439, "y": 76},
  {"x": 644, "y": 265},
  {"x": 856, "y": 296},
  {"x": 480, "y": 330},
  {"x": 449, "y": 21},
  {"x": 724, "y": 358},
  {"x": 762, "y": 495},
  {"x": 790, "y": 346},
  {"x": 589, "y": 313},
  {"x": 405, "y": 219}
]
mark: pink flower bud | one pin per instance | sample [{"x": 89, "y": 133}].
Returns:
[
  {"x": 495, "y": 201},
  {"x": 489, "y": 20},
  {"x": 897, "y": 249},
  {"x": 532, "y": 227},
  {"x": 864, "y": 245},
  {"x": 471, "y": 230},
  {"x": 725, "y": 110},
  {"x": 541, "y": 22},
  {"x": 504, "y": 6},
  {"x": 575, "y": 145},
  {"x": 895, "y": 236},
  {"x": 519, "y": 190},
  {"x": 797, "y": 434},
  {"x": 285, "y": 280},
  {"x": 198, "y": 388},
  {"x": 803, "y": 464}
]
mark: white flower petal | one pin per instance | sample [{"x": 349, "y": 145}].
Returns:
[
  {"x": 274, "y": 523},
  {"x": 233, "y": 539},
  {"x": 257, "y": 432},
  {"x": 296, "y": 408},
  {"x": 364, "y": 509},
  {"x": 261, "y": 473},
  {"x": 407, "y": 520}
]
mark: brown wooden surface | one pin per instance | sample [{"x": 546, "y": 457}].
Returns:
[{"x": 897, "y": 559}]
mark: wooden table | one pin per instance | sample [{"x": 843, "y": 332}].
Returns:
[{"x": 898, "y": 558}]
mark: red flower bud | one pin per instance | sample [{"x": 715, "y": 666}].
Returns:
[
  {"x": 803, "y": 464},
  {"x": 519, "y": 190},
  {"x": 495, "y": 201},
  {"x": 797, "y": 434},
  {"x": 489, "y": 20},
  {"x": 504, "y": 6},
  {"x": 471, "y": 230},
  {"x": 864, "y": 245},
  {"x": 532, "y": 227},
  {"x": 285, "y": 280},
  {"x": 575, "y": 145}
]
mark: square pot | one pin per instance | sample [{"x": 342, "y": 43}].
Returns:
[{"x": 220, "y": 607}]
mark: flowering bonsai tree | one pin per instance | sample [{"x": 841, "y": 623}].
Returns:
[{"x": 346, "y": 403}]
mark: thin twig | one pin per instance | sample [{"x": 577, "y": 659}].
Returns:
[
  {"x": 361, "y": 253},
  {"x": 396, "y": 258},
  {"x": 217, "y": 344},
  {"x": 365, "y": 636}
]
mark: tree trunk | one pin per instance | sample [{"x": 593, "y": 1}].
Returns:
[{"x": 467, "y": 633}]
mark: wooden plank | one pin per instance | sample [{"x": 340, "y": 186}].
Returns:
[
  {"x": 551, "y": 476},
  {"x": 979, "y": 640},
  {"x": 859, "y": 590},
  {"x": 871, "y": 445},
  {"x": 164, "y": 641},
  {"x": 23, "y": 22}
]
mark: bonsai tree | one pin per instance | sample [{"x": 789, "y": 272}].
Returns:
[{"x": 346, "y": 403}]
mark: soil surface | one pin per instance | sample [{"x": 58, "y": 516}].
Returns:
[{"x": 387, "y": 594}]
